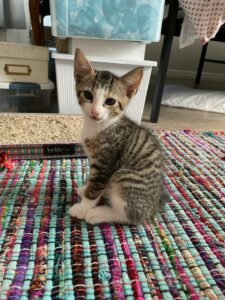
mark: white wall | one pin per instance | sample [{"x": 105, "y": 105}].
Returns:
[
  {"x": 2, "y": 35},
  {"x": 18, "y": 35},
  {"x": 187, "y": 59}
]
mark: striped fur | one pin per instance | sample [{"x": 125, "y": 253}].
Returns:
[{"x": 126, "y": 159}]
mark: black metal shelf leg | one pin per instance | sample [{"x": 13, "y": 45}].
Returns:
[
  {"x": 200, "y": 66},
  {"x": 164, "y": 59}
]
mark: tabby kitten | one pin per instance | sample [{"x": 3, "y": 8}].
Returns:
[{"x": 125, "y": 183}]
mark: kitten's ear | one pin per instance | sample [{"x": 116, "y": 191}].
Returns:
[
  {"x": 82, "y": 67},
  {"x": 132, "y": 80}
]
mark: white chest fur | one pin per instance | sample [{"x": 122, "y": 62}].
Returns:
[
  {"x": 90, "y": 131},
  {"x": 92, "y": 128}
]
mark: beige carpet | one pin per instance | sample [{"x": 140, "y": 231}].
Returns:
[{"x": 39, "y": 128}]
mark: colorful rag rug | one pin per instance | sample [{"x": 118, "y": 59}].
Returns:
[{"x": 46, "y": 255}]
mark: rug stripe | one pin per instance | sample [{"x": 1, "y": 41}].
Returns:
[
  {"x": 38, "y": 281},
  {"x": 10, "y": 234},
  {"x": 23, "y": 259}
]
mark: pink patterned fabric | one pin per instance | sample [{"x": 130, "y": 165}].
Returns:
[{"x": 206, "y": 16}]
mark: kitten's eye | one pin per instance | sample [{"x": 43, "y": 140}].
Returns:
[
  {"x": 88, "y": 95},
  {"x": 110, "y": 101}
]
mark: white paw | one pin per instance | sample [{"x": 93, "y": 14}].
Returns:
[
  {"x": 78, "y": 211},
  {"x": 93, "y": 216},
  {"x": 81, "y": 191}
]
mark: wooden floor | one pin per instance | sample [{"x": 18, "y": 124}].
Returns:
[{"x": 179, "y": 118}]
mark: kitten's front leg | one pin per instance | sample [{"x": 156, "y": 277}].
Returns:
[
  {"x": 81, "y": 190},
  {"x": 79, "y": 210},
  {"x": 92, "y": 193}
]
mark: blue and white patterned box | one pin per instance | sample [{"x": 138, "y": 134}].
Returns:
[{"x": 131, "y": 20}]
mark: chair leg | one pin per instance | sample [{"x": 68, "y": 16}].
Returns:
[
  {"x": 164, "y": 60},
  {"x": 200, "y": 66},
  {"x": 37, "y": 28}
]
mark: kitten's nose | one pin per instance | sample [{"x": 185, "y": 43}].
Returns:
[{"x": 95, "y": 112}]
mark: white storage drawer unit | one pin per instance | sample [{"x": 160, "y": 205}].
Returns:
[
  {"x": 67, "y": 99},
  {"x": 23, "y": 63}
]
